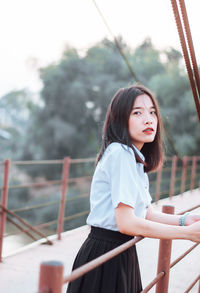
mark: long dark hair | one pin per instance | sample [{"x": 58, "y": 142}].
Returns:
[{"x": 116, "y": 126}]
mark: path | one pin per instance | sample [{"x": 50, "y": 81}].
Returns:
[{"x": 19, "y": 273}]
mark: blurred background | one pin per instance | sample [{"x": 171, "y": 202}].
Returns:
[{"x": 61, "y": 65}]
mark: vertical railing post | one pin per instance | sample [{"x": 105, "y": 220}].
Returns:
[
  {"x": 158, "y": 184},
  {"x": 65, "y": 175},
  {"x": 199, "y": 286},
  {"x": 198, "y": 159},
  {"x": 164, "y": 258},
  {"x": 193, "y": 173},
  {"x": 4, "y": 198},
  {"x": 51, "y": 277},
  {"x": 184, "y": 172},
  {"x": 173, "y": 176}
]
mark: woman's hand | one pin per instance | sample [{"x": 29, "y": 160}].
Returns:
[{"x": 191, "y": 219}]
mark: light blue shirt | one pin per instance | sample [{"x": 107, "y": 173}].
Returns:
[{"x": 118, "y": 178}]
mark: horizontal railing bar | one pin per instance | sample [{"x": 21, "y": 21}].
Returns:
[
  {"x": 87, "y": 160},
  {"x": 166, "y": 191},
  {"x": 192, "y": 285},
  {"x": 152, "y": 181},
  {"x": 84, "y": 195},
  {"x": 176, "y": 190},
  {"x": 42, "y": 162},
  {"x": 179, "y": 158},
  {"x": 48, "y": 162},
  {"x": 44, "y": 225},
  {"x": 52, "y": 182},
  {"x": 100, "y": 260},
  {"x": 183, "y": 255},
  {"x": 153, "y": 282},
  {"x": 36, "y": 206},
  {"x": 178, "y": 168},
  {"x": 189, "y": 168},
  {"x": 74, "y": 216},
  {"x": 187, "y": 186},
  {"x": 55, "y": 221},
  {"x": 165, "y": 169},
  {"x": 72, "y": 180},
  {"x": 189, "y": 210},
  {"x": 74, "y": 161},
  {"x": 178, "y": 179}
]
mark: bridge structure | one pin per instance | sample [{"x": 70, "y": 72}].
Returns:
[
  {"x": 20, "y": 270},
  {"x": 176, "y": 184}
]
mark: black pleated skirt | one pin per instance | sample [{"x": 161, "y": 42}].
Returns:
[{"x": 120, "y": 274}]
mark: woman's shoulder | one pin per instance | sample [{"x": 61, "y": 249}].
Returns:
[{"x": 116, "y": 149}]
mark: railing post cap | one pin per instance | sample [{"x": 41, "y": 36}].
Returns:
[
  {"x": 54, "y": 263},
  {"x": 169, "y": 209}
]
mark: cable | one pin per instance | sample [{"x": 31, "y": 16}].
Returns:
[
  {"x": 170, "y": 140},
  {"x": 190, "y": 43},
  {"x": 117, "y": 44},
  {"x": 192, "y": 73}
]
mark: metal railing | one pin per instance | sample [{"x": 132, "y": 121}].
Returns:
[
  {"x": 22, "y": 225},
  {"x": 176, "y": 176},
  {"x": 51, "y": 273}
]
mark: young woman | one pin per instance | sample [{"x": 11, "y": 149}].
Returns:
[{"x": 120, "y": 199}]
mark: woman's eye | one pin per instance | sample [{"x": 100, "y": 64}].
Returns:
[
  {"x": 137, "y": 113},
  {"x": 153, "y": 112}
]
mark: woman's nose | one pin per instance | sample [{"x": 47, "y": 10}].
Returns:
[{"x": 148, "y": 119}]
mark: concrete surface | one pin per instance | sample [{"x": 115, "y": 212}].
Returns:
[{"x": 19, "y": 272}]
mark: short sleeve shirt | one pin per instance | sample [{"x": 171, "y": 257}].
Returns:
[{"x": 118, "y": 178}]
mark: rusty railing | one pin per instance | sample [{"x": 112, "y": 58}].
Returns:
[
  {"x": 51, "y": 273},
  {"x": 176, "y": 176}
]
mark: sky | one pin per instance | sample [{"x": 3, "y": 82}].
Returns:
[{"x": 34, "y": 33}]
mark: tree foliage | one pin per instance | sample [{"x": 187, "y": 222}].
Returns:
[
  {"x": 77, "y": 90},
  {"x": 16, "y": 111},
  {"x": 73, "y": 102}
]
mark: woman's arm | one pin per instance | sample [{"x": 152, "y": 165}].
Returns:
[
  {"x": 160, "y": 217},
  {"x": 163, "y": 218},
  {"x": 130, "y": 224}
]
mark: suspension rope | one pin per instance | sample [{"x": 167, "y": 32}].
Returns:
[
  {"x": 170, "y": 140},
  {"x": 117, "y": 44},
  {"x": 193, "y": 73},
  {"x": 190, "y": 43}
]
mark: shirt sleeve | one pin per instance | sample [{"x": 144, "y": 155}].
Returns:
[{"x": 123, "y": 177}]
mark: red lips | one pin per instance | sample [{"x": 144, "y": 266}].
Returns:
[{"x": 149, "y": 129}]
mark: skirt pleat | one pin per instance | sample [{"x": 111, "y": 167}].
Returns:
[{"x": 120, "y": 274}]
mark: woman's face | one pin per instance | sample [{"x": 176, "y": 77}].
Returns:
[{"x": 142, "y": 123}]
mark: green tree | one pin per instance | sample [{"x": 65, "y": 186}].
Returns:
[
  {"x": 77, "y": 90},
  {"x": 76, "y": 93},
  {"x": 16, "y": 110}
]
